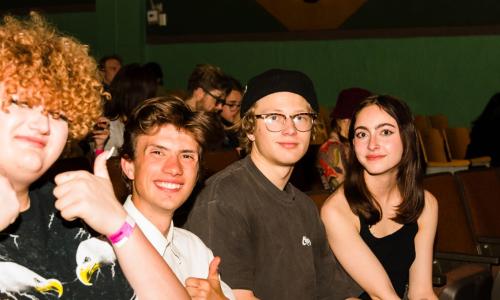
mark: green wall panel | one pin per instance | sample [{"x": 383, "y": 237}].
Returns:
[{"x": 451, "y": 75}]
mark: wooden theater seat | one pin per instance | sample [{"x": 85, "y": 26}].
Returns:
[
  {"x": 481, "y": 190},
  {"x": 468, "y": 275},
  {"x": 433, "y": 148}
]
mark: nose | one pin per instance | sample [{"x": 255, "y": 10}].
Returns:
[
  {"x": 289, "y": 127},
  {"x": 373, "y": 142},
  {"x": 39, "y": 121},
  {"x": 172, "y": 166}
]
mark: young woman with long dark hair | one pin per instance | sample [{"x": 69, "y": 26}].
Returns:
[{"x": 381, "y": 223}]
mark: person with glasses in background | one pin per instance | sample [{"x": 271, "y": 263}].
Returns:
[
  {"x": 207, "y": 88},
  {"x": 230, "y": 114},
  {"x": 206, "y": 91},
  {"x": 268, "y": 233}
]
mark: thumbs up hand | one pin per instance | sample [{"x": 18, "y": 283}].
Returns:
[
  {"x": 9, "y": 205},
  {"x": 90, "y": 197},
  {"x": 210, "y": 288}
]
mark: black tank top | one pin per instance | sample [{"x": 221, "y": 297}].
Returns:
[{"x": 396, "y": 253}]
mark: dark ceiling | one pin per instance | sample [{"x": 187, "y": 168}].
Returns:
[
  {"x": 424, "y": 13},
  {"x": 288, "y": 17},
  {"x": 253, "y": 16}
]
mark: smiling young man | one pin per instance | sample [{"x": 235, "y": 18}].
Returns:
[
  {"x": 161, "y": 156},
  {"x": 268, "y": 233}
]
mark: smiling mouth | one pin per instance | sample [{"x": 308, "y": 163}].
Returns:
[
  {"x": 288, "y": 145},
  {"x": 169, "y": 185},
  {"x": 374, "y": 157},
  {"x": 38, "y": 143}
]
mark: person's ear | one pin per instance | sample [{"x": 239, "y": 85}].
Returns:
[
  {"x": 198, "y": 93},
  {"x": 251, "y": 137},
  {"x": 128, "y": 168}
]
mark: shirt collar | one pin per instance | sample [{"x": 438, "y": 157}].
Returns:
[{"x": 154, "y": 236}]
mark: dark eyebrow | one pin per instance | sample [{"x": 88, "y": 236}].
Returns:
[
  {"x": 168, "y": 149},
  {"x": 385, "y": 124},
  {"x": 188, "y": 151},
  {"x": 376, "y": 127},
  {"x": 156, "y": 146},
  {"x": 360, "y": 127}
]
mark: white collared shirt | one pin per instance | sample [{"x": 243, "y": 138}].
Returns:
[{"x": 183, "y": 251}]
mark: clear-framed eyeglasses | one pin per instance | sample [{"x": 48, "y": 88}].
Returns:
[{"x": 275, "y": 122}]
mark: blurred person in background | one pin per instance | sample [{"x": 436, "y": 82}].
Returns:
[
  {"x": 207, "y": 88},
  {"x": 230, "y": 114},
  {"x": 131, "y": 85},
  {"x": 332, "y": 155},
  {"x": 109, "y": 66},
  {"x": 483, "y": 129}
]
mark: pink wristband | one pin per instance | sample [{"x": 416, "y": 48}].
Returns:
[
  {"x": 98, "y": 151},
  {"x": 121, "y": 236}
]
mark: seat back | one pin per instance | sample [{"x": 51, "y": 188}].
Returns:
[
  {"x": 458, "y": 139},
  {"x": 439, "y": 121},
  {"x": 434, "y": 151},
  {"x": 215, "y": 161},
  {"x": 433, "y": 145},
  {"x": 422, "y": 122},
  {"x": 481, "y": 189},
  {"x": 319, "y": 197},
  {"x": 468, "y": 282},
  {"x": 454, "y": 233}
]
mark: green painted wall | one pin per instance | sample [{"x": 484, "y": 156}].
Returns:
[
  {"x": 116, "y": 26},
  {"x": 450, "y": 75}
]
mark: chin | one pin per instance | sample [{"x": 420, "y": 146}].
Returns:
[
  {"x": 381, "y": 171},
  {"x": 288, "y": 161}
]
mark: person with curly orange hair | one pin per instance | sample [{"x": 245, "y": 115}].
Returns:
[{"x": 50, "y": 91}]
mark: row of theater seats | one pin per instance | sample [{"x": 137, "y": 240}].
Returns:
[
  {"x": 467, "y": 246},
  {"x": 468, "y": 235},
  {"x": 443, "y": 148}
]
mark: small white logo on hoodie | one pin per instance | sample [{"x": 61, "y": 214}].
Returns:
[{"x": 306, "y": 241}]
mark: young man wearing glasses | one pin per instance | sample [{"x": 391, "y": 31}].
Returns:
[
  {"x": 230, "y": 113},
  {"x": 207, "y": 88},
  {"x": 268, "y": 233},
  {"x": 231, "y": 109}
]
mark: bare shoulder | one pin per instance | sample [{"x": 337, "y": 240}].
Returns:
[
  {"x": 431, "y": 202},
  {"x": 337, "y": 208},
  {"x": 336, "y": 201},
  {"x": 430, "y": 212}
]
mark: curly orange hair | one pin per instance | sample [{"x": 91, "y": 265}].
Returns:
[{"x": 44, "y": 67}]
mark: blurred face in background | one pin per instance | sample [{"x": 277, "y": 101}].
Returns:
[
  {"x": 231, "y": 109},
  {"x": 111, "y": 67},
  {"x": 211, "y": 101}
]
